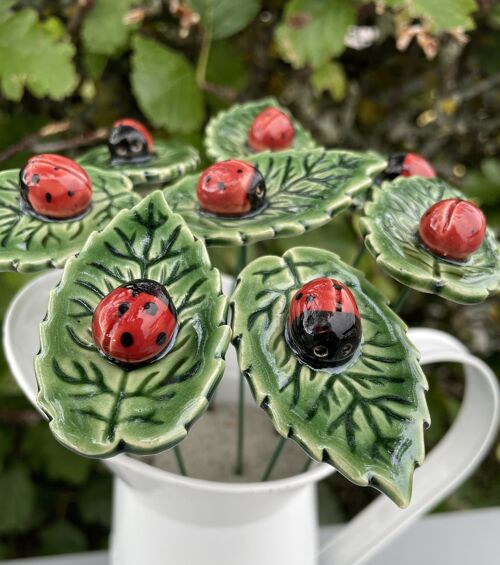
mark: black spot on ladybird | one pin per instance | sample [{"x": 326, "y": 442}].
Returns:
[
  {"x": 299, "y": 296},
  {"x": 122, "y": 308},
  {"x": 126, "y": 339},
  {"x": 48, "y": 197},
  {"x": 70, "y": 193},
  {"x": 160, "y": 339}
]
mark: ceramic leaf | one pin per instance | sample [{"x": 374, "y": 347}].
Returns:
[
  {"x": 391, "y": 224},
  {"x": 97, "y": 407},
  {"x": 31, "y": 244},
  {"x": 172, "y": 159},
  {"x": 304, "y": 191},
  {"x": 226, "y": 134},
  {"x": 368, "y": 420}
]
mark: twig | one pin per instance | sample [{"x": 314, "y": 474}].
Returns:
[{"x": 33, "y": 141}]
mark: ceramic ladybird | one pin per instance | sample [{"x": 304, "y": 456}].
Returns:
[
  {"x": 136, "y": 323},
  {"x": 231, "y": 189},
  {"x": 129, "y": 142},
  {"x": 453, "y": 229},
  {"x": 324, "y": 326},
  {"x": 408, "y": 165},
  {"x": 271, "y": 130},
  {"x": 55, "y": 187}
]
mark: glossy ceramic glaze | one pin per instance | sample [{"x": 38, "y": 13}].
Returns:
[
  {"x": 357, "y": 419},
  {"x": 408, "y": 165},
  {"x": 171, "y": 160},
  {"x": 55, "y": 187},
  {"x": 32, "y": 243},
  {"x": 453, "y": 229},
  {"x": 272, "y": 129},
  {"x": 130, "y": 142},
  {"x": 231, "y": 188},
  {"x": 304, "y": 190},
  {"x": 98, "y": 407},
  {"x": 173, "y": 510},
  {"x": 135, "y": 323},
  {"x": 391, "y": 228},
  {"x": 227, "y": 134},
  {"x": 324, "y": 326}
]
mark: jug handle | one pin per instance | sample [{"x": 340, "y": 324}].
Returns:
[{"x": 453, "y": 460}]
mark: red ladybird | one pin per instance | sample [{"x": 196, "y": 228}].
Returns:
[
  {"x": 409, "y": 165},
  {"x": 231, "y": 188},
  {"x": 55, "y": 187},
  {"x": 136, "y": 323},
  {"x": 453, "y": 228},
  {"x": 324, "y": 326},
  {"x": 271, "y": 129},
  {"x": 129, "y": 142}
]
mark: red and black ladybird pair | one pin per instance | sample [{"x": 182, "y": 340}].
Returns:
[
  {"x": 324, "y": 325},
  {"x": 136, "y": 323}
]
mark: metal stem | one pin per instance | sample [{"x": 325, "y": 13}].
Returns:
[
  {"x": 274, "y": 459},
  {"x": 180, "y": 461},
  {"x": 401, "y": 299},
  {"x": 359, "y": 255}
]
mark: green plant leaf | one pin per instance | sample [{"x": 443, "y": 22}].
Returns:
[
  {"x": 313, "y": 31},
  {"x": 30, "y": 244},
  {"x": 223, "y": 18},
  {"x": 368, "y": 420},
  {"x": 330, "y": 78},
  {"x": 164, "y": 84},
  {"x": 446, "y": 14},
  {"x": 98, "y": 408},
  {"x": 48, "y": 456},
  {"x": 17, "y": 500},
  {"x": 62, "y": 537},
  {"x": 172, "y": 160},
  {"x": 104, "y": 30},
  {"x": 305, "y": 189},
  {"x": 390, "y": 225},
  {"x": 226, "y": 134},
  {"x": 32, "y": 59}
]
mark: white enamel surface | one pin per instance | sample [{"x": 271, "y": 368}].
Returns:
[{"x": 161, "y": 517}]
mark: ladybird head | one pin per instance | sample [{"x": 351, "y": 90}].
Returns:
[
  {"x": 54, "y": 187},
  {"x": 324, "y": 326},
  {"x": 452, "y": 229},
  {"x": 129, "y": 142},
  {"x": 272, "y": 130},
  {"x": 231, "y": 189},
  {"x": 135, "y": 323}
]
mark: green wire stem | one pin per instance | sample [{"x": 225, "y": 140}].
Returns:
[
  {"x": 274, "y": 459},
  {"x": 401, "y": 299},
  {"x": 180, "y": 461}
]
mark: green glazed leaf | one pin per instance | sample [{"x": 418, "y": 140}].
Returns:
[
  {"x": 223, "y": 18},
  {"x": 164, "y": 85},
  {"x": 172, "y": 160},
  {"x": 98, "y": 408},
  {"x": 368, "y": 420},
  {"x": 30, "y": 244},
  {"x": 390, "y": 226},
  {"x": 304, "y": 191},
  {"x": 31, "y": 58},
  {"x": 226, "y": 134},
  {"x": 313, "y": 31}
]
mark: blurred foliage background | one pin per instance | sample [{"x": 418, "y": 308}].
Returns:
[{"x": 390, "y": 75}]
